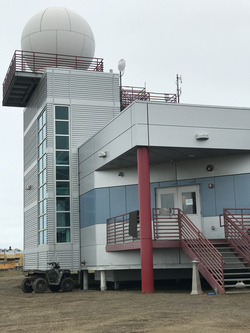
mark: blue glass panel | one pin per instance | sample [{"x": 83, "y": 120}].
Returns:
[
  {"x": 44, "y": 118},
  {"x": 45, "y": 237},
  {"x": 62, "y": 142},
  {"x": 62, "y": 188},
  {"x": 62, "y": 157},
  {"x": 40, "y": 238},
  {"x": 63, "y": 235},
  {"x": 62, "y": 112},
  {"x": 63, "y": 204},
  {"x": 63, "y": 219},
  {"x": 62, "y": 127},
  {"x": 62, "y": 173},
  {"x": 44, "y": 206}
]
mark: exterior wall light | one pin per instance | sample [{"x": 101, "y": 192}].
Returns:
[
  {"x": 102, "y": 154},
  {"x": 202, "y": 136},
  {"x": 28, "y": 187}
]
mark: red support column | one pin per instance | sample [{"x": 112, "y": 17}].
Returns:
[{"x": 147, "y": 271}]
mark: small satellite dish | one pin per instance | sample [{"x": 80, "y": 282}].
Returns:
[{"x": 121, "y": 65}]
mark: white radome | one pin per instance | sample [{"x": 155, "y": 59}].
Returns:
[{"x": 58, "y": 30}]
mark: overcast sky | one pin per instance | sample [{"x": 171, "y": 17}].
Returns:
[{"x": 205, "y": 41}]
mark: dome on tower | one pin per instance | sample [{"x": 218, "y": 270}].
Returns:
[{"x": 58, "y": 30}]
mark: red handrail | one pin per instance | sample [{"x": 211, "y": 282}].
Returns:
[
  {"x": 194, "y": 244},
  {"x": 130, "y": 94},
  {"x": 26, "y": 61},
  {"x": 236, "y": 223},
  {"x": 118, "y": 230}
]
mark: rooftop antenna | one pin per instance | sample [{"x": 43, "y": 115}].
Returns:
[
  {"x": 121, "y": 69},
  {"x": 178, "y": 81}
]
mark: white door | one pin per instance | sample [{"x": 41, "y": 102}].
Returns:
[{"x": 187, "y": 198}]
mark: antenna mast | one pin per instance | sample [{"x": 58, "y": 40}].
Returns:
[{"x": 178, "y": 81}]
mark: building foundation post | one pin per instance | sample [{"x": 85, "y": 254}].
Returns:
[
  {"x": 103, "y": 281},
  {"x": 85, "y": 280},
  {"x": 147, "y": 271}
]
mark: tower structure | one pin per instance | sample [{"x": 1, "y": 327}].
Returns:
[{"x": 66, "y": 98}]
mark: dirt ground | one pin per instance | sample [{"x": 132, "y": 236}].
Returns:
[{"x": 120, "y": 311}]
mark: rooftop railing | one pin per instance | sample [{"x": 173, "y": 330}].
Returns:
[
  {"x": 130, "y": 94},
  {"x": 36, "y": 62}
]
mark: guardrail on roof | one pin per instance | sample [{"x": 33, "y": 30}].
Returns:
[
  {"x": 130, "y": 94},
  {"x": 36, "y": 62}
]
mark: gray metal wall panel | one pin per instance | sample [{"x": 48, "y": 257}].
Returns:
[
  {"x": 30, "y": 179},
  {"x": 30, "y": 261},
  {"x": 100, "y": 94},
  {"x": 36, "y": 102},
  {"x": 30, "y": 228},
  {"x": 30, "y": 146}
]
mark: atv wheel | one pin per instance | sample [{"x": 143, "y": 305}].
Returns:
[
  {"x": 67, "y": 285},
  {"x": 54, "y": 289},
  {"x": 39, "y": 285},
  {"x": 26, "y": 286}
]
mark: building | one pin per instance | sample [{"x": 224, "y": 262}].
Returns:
[
  {"x": 11, "y": 259},
  {"x": 85, "y": 163}
]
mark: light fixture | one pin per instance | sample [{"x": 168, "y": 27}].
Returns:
[
  {"x": 102, "y": 154},
  {"x": 120, "y": 174},
  {"x": 202, "y": 136},
  {"x": 28, "y": 187}
]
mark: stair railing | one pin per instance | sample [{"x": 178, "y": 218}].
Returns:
[
  {"x": 236, "y": 231},
  {"x": 196, "y": 245}
]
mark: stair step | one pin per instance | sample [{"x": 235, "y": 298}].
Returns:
[
  {"x": 236, "y": 262},
  {"x": 233, "y": 286},
  {"x": 239, "y": 279},
  {"x": 238, "y": 273}
]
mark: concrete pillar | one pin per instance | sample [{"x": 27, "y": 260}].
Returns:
[
  {"x": 147, "y": 272},
  {"x": 196, "y": 282},
  {"x": 85, "y": 280},
  {"x": 103, "y": 281}
]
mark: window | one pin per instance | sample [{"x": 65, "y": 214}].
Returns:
[
  {"x": 42, "y": 189},
  {"x": 62, "y": 159}
]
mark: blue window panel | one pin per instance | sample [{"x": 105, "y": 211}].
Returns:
[
  {"x": 242, "y": 191},
  {"x": 117, "y": 201},
  {"x": 87, "y": 209},
  {"x": 169, "y": 183},
  {"x": 208, "y": 207},
  {"x": 185, "y": 182},
  {"x": 102, "y": 205},
  {"x": 132, "y": 198},
  {"x": 153, "y": 187},
  {"x": 224, "y": 193}
]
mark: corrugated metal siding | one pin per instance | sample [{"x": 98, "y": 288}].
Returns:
[
  {"x": 30, "y": 196},
  {"x": 43, "y": 260},
  {"x": 94, "y": 100},
  {"x": 30, "y": 146},
  {"x": 97, "y": 87},
  {"x": 88, "y": 120},
  {"x": 30, "y": 261},
  {"x": 36, "y": 103},
  {"x": 30, "y": 228}
]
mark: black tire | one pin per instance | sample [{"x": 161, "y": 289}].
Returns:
[
  {"x": 39, "y": 285},
  {"x": 54, "y": 289},
  {"x": 26, "y": 286},
  {"x": 67, "y": 285}
]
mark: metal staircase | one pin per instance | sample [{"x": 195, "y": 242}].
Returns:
[
  {"x": 236, "y": 249},
  {"x": 236, "y": 274},
  {"x": 174, "y": 223}
]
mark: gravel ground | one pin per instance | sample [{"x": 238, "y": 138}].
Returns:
[{"x": 120, "y": 311}]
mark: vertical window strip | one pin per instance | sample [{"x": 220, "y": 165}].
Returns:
[
  {"x": 62, "y": 162},
  {"x": 42, "y": 202}
]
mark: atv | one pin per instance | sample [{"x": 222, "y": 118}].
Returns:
[{"x": 54, "y": 278}]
